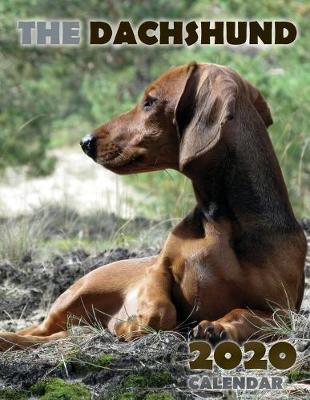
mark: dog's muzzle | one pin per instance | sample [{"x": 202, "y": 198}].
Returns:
[{"x": 88, "y": 144}]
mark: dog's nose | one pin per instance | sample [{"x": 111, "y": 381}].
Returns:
[{"x": 88, "y": 144}]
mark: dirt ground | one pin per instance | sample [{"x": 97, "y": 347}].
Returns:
[{"x": 26, "y": 292}]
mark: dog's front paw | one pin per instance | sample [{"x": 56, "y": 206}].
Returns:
[
  {"x": 129, "y": 330},
  {"x": 213, "y": 332}
]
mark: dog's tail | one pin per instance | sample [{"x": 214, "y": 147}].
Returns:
[{"x": 15, "y": 341}]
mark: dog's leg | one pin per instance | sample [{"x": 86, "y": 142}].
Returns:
[
  {"x": 93, "y": 299},
  {"x": 155, "y": 310},
  {"x": 28, "y": 330},
  {"x": 13, "y": 341},
  {"x": 238, "y": 325}
]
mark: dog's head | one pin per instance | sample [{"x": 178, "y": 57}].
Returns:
[{"x": 181, "y": 117}]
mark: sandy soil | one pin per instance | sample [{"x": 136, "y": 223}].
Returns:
[{"x": 77, "y": 182}]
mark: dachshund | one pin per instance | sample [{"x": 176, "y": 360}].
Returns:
[{"x": 239, "y": 254}]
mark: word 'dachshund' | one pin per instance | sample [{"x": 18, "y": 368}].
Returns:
[{"x": 150, "y": 33}]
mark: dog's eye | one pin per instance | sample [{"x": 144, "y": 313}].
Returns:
[{"x": 149, "y": 102}]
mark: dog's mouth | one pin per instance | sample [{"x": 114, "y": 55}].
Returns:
[{"x": 127, "y": 159}]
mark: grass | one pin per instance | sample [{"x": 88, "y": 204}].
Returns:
[
  {"x": 287, "y": 323},
  {"x": 61, "y": 229},
  {"x": 299, "y": 376},
  {"x": 20, "y": 238},
  {"x": 284, "y": 322}
]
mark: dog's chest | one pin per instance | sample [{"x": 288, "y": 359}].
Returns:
[{"x": 205, "y": 274}]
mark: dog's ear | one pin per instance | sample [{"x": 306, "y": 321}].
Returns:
[
  {"x": 258, "y": 101},
  {"x": 205, "y": 106},
  {"x": 207, "y": 103}
]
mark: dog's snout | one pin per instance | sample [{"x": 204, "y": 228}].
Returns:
[{"x": 88, "y": 144}]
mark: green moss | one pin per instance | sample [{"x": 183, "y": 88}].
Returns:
[
  {"x": 12, "y": 394},
  {"x": 149, "y": 379},
  {"x": 141, "y": 396},
  {"x": 299, "y": 376},
  {"x": 58, "y": 389},
  {"x": 104, "y": 360},
  {"x": 125, "y": 396},
  {"x": 137, "y": 386},
  {"x": 159, "y": 396}
]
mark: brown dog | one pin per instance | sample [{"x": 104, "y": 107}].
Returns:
[{"x": 237, "y": 255}]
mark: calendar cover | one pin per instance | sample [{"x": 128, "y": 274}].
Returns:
[{"x": 155, "y": 192}]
